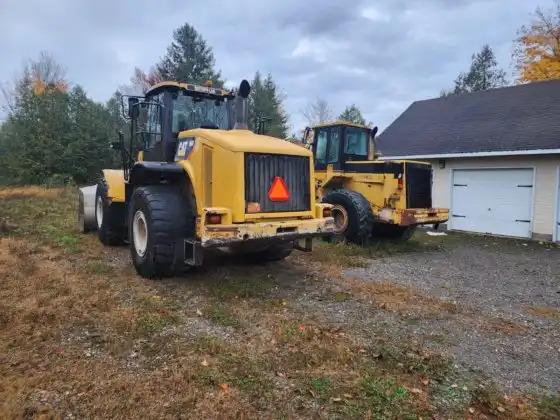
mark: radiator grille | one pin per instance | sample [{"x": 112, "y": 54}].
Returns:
[
  {"x": 260, "y": 171},
  {"x": 418, "y": 185}
]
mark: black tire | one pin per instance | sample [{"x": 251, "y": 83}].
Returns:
[
  {"x": 109, "y": 217},
  {"x": 358, "y": 210},
  {"x": 401, "y": 233},
  {"x": 169, "y": 218},
  {"x": 275, "y": 252}
]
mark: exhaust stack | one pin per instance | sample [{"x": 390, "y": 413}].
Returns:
[
  {"x": 242, "y": 106},
  {"x": 373, "y": 154}
]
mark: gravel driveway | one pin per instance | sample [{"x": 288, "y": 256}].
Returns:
[{"x": 507, "y": 294}]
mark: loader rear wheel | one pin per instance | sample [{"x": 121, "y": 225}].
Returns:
[
  {"x": 352, "y": 214},
  {"x": 109, "y": 217},
  {"x": 160, "y": 218},
  {"x": 384, "y": 230}
]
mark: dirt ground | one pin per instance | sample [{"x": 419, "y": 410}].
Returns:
[{"x": 438, "y": 327}]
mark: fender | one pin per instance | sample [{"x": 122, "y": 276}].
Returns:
[
  {"x": 335, "y": 180},
  {"x": 154, "y": 173},
  {"x": 115, "y": 184}
]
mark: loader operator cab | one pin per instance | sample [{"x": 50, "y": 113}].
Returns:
[
  {"x": 168, "y": 108},
  {"x": 341, "y": 142}
]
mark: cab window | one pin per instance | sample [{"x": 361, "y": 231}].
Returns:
[
  {"x": 334, "y": 146},
  {"x": 148, "y": 124},
  {"x": 194, "y": 112},
  {"x": 356, "y": 142},
  {"x": 153, "y": 126},
  {"x": 321, "y": 147}
]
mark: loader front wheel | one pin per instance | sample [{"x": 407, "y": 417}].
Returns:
[
  {"x": 160, "y": 218},
  {"x": 352, "y": 214},
  {"x": 109, "y": 218}
]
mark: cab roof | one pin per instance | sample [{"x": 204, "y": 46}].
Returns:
[
  {"x": 340, "y": 122},
  {"x": 187, "y": 87}
]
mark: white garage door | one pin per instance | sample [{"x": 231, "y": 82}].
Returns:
[{"x": 496, "y": 201}]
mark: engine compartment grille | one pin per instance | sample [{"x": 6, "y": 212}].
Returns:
[
  {"x": 418, "y": 185},
  {"x": 261, "y": 170}
]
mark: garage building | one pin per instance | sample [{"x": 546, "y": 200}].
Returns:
[{"x": 495, "y": 157}]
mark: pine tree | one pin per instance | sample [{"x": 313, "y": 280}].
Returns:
[
  {"x": 484, "y": 74},
  {"x": 88, "y": 150},
  {"x": 53, "y": 135},
  {"x": 266, "y": 113},
  {"x": 352, "y": 114},
  {"x": 188, "y": 59}
]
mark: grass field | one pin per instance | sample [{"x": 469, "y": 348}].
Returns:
[{"x": 81, "y": 335}]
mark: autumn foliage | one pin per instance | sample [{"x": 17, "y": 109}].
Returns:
[{"x": 537, "y": 52}]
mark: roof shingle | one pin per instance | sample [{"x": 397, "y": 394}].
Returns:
[{"x": 515, "y": 118}]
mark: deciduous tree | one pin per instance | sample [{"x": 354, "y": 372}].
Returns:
[
  {"x": 537, "y": 47},
  {"x": 53, "y": 135},
  {"x": 317, "y": 112}
]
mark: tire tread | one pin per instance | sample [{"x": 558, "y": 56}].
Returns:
[{"x": 360, "y": 221}]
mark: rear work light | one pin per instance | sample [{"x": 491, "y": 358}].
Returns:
[
  {"x": 400, "y": 182},
  {"x": 213, "y": 219},
  {"x": 253, "y": 207}
]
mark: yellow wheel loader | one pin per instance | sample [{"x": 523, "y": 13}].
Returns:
[
  {"x": 194, "y": 177},
  {"x": 370, "y": 197}
]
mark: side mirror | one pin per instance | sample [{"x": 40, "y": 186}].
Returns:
[
  {"x": 308, "y": 136},
  {"x": 133, "y": 107},
  {"x": 372, "y": 149}
]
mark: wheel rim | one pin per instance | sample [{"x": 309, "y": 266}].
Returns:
[
  {"x": 340, "y": 216},
  {"x": 99, "y": 212},
  {"x": 140, "y": 233}
]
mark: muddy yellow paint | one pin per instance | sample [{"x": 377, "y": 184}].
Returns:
[{"x": 115, "y": 184}]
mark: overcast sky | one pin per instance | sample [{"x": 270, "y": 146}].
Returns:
[{"x": 381, "y": 55}]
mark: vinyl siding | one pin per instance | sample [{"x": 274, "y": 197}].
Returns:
[{"x": 545, "y": 184}]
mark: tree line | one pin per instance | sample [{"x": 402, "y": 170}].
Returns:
[{"x": 54, "y": 133}]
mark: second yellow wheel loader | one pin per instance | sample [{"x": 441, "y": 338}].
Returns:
[{"x": 370, "y": 197}]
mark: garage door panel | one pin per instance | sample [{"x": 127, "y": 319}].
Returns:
[{"x": 496, "y": 201}]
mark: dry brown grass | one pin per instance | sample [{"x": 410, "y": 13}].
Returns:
[
  {"x": 544, "y": 312},
  {"x": 99, "y": 345},
  {"x": 395, "y": 298},
  {"x": 504, "y": 326},
  {"x": 12, "y": 193}
]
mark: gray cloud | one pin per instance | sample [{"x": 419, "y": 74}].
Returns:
[{"x": 380, "y": 55}]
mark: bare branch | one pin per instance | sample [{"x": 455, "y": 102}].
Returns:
[{"x": 317, "y": 112}]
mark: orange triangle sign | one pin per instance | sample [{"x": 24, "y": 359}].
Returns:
[{"x": 278, "y": 190}]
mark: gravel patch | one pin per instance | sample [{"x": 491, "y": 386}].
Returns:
[{"x": 496, "y": 284}]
